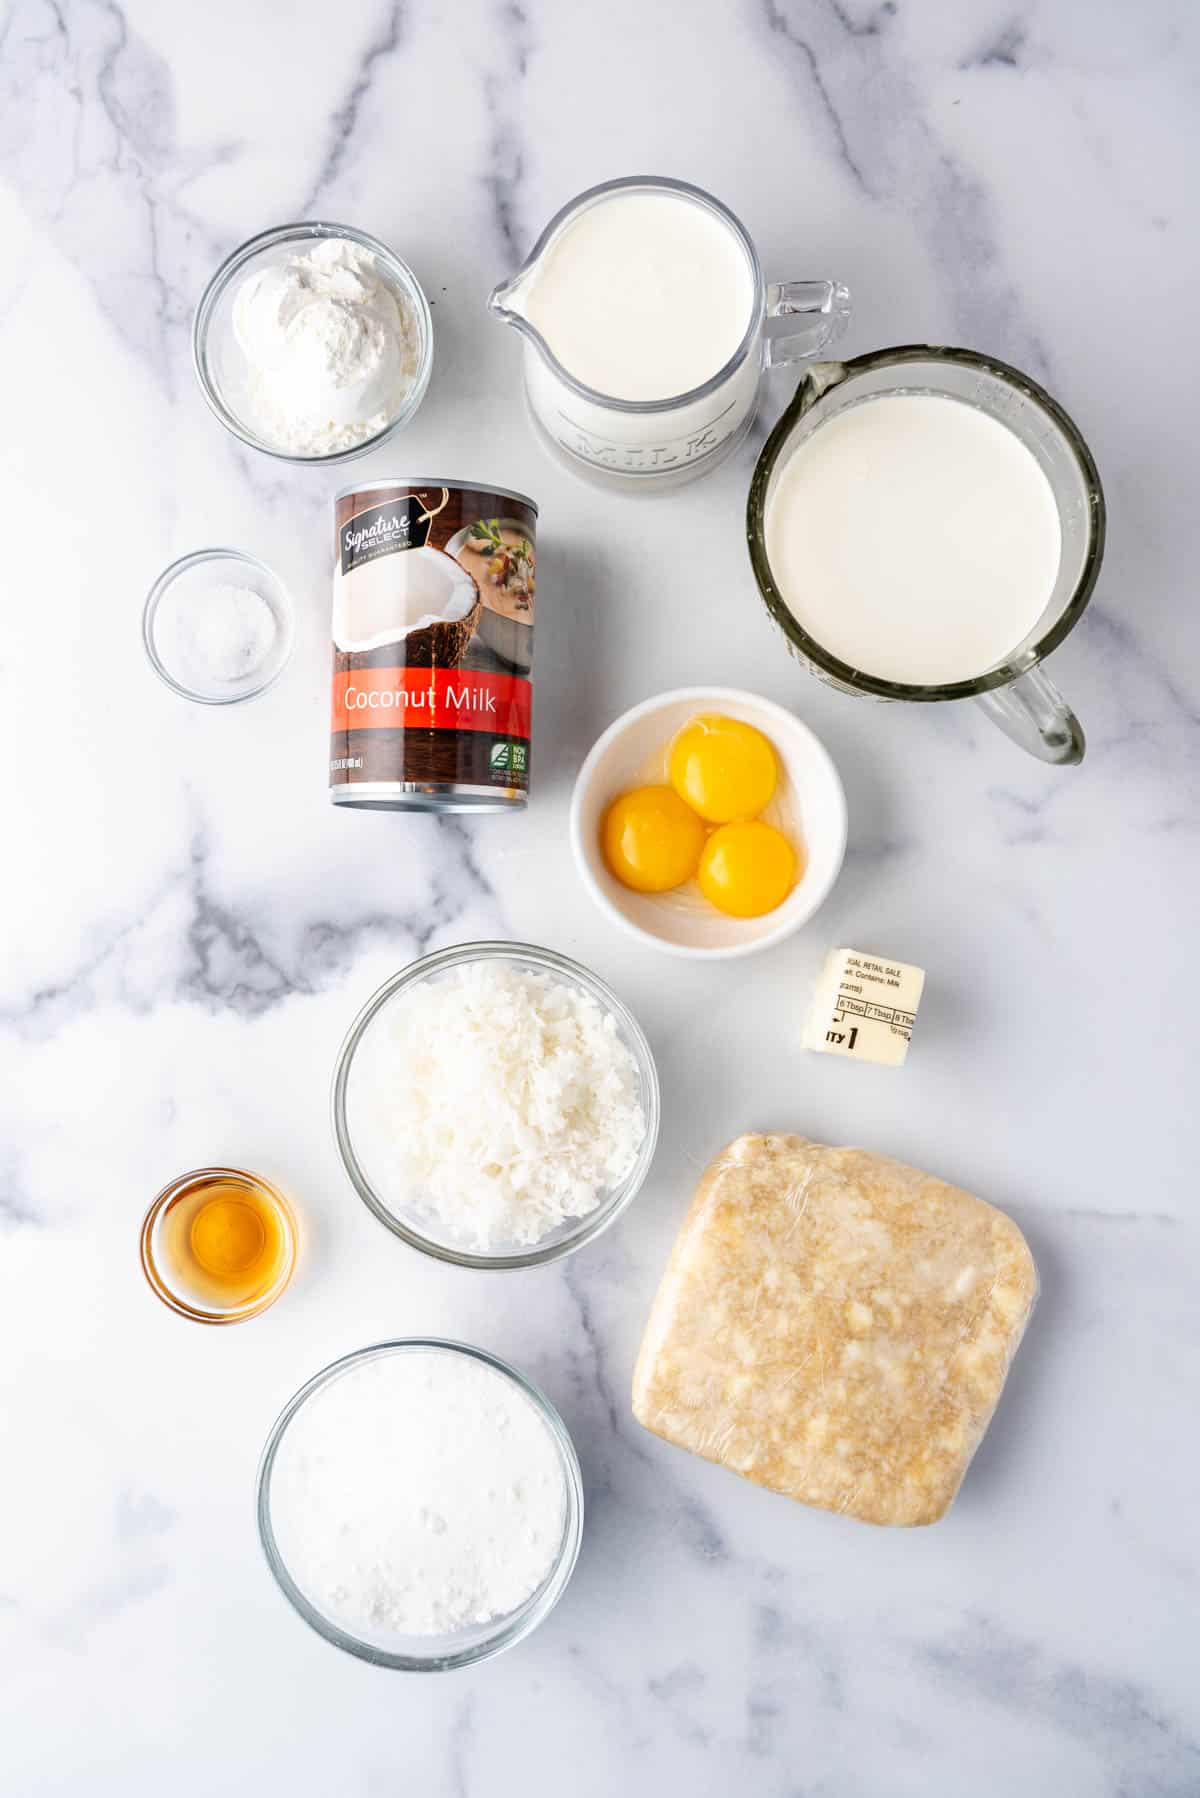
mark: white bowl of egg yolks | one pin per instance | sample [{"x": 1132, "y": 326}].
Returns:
[{"x": 808, "y": 807}]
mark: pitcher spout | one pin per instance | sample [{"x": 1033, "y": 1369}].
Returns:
[
  {"x": 509, "y": 303},
  {"x": 507, "y": 300}
]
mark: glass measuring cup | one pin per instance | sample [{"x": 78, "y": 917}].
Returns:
[
  {"x": 1016, "y": 693},
  {"x": 649, "y": 445}
]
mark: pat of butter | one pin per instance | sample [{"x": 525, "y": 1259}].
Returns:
[{"x": 865, "y": 1007}]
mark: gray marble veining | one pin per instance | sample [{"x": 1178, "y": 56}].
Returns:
[{"x": 190, "y": 927}]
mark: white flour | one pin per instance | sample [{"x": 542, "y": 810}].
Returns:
[
  {"x": 417, "y": 1494},
  {"x": 331, "y": 350}
]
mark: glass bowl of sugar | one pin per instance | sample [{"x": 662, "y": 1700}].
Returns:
[
  {"x": 420, "y": 1504},
  {"x": 217, "y": 627}
]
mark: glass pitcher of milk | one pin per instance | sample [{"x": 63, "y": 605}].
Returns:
[
  {"x": 647, "y": 327},
  {"x": 928, "y": 524}
]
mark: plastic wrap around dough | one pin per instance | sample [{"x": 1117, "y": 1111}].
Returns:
[{"x": 836, "y": 1326}]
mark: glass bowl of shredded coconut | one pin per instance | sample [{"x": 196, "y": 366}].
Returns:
[
  {"x": 420, "y": 1504},
  {"x": 313, "y": 342},
  {"x": 496, "y": 1105},
  {"x": 217, "y": 626}
]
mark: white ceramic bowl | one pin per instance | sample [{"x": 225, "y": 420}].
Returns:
[{"x": 811, "y": 793}]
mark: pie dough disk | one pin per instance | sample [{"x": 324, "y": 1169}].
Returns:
[{"x": 836, "y": 1326}]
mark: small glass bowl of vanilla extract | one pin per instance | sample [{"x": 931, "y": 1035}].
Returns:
[{"x": 219, "y": 1245}]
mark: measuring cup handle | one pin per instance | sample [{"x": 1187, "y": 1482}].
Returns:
[
  {"x": 1035, "y": 715},
  {"x": 829, "y": 301}
]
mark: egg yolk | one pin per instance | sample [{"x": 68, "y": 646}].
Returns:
[
  {"x": 723, "y": 769},
  {"x": 651, "y": 841},
  {"x": 747, "y": 869}
]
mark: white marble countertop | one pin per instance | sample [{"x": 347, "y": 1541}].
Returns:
[{"x": 189, "y": 925}]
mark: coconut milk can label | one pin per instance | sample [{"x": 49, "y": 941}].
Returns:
[
  {"x": 432, "y": 648},
  {"x": 437, "y": 698}
]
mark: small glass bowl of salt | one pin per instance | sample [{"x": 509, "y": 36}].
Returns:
[{"x": 217, "y": 626}]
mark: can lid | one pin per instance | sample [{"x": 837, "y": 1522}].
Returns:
[{"x": 405, "y": 481}]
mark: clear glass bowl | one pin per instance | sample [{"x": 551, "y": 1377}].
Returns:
[
  {"x": 166, "y": 1272},
  {"x": 430, "y": 1654},
  {"x": 183, "y": 585},
  {"x": 220, "y": 365},
  {"x": 408, "y": 1220}
]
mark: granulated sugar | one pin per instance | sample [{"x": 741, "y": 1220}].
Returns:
[
  {"x": 418, "y": 1493},
  {"x": 501, "y": 1101}
]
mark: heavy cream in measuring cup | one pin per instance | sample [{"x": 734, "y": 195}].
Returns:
[
  {"x": 643, "y": 296},
  {"x": 915, "y": 538}
]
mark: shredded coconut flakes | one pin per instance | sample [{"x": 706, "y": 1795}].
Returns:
[{"x": 501, "y": 1102}]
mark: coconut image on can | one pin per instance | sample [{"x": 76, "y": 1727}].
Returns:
[{"x": 433, "y": 610}]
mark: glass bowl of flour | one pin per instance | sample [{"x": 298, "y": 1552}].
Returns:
[
  {"x": 313, "y": 343},
  {"x": 420, "y": 1504}
]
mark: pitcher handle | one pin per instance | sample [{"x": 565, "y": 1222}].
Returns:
[
  {"x": 829, "y": 300},
  {"x": 1035, "y": 715}
]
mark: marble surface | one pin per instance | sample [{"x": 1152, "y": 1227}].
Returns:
[{"x": 188, "y": 925}]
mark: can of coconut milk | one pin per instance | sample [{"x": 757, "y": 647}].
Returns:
[{"x": 433, "y": 600}]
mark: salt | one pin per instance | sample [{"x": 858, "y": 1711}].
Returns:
[{"x": 218, "y": 637}]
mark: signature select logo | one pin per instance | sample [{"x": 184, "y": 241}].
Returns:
[
  {"x": 390, "y": 525},
  {"x": 387, "y": 525}
]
